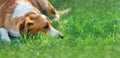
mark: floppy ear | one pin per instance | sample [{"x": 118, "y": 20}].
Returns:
[
  {"x": 21, "y": 26},
  {"x": 24, "y": 25},
  {"x": 28, "y": 24}
]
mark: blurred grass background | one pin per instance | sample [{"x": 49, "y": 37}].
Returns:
[{"x": 91, "y": 29}]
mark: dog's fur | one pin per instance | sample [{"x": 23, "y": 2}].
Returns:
[
  {"x": 45, "y": 6},
  {"x": 24, "y": 16}
]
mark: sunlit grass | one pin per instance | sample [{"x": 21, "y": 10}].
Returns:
[{"x": 91, "y": 30}]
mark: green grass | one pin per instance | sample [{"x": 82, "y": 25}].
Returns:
[{"x": 91, "y": 30}]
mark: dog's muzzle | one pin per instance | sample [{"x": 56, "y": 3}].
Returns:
[{"x": 55, "y": 32}]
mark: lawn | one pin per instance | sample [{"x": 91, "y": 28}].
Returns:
[{"x": 91, "y": 30}]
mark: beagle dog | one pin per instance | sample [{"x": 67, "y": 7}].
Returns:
[{"x": 18, "y": 17}]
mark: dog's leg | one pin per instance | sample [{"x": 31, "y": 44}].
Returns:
[
  {"x": 46, "y": 6},
  {"x": 4, "y": 35},
  {"x": 53, "y": 12}
]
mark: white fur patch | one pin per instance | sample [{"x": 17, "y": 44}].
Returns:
[
  {"x": 54, "y": 32},
  {"x": 22, "y": 9},
  {"x": 4, "y": 35},
  {"x": 13, "y": 33}
]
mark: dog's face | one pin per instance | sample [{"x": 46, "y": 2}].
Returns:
[{"x": 34, "y": 23}]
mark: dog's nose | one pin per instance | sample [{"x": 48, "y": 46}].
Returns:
[{"x": 61, "y": 36}]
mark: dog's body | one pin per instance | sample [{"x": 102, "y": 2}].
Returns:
[{"x": 26, "y": 16}]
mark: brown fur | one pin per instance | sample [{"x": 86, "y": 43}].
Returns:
[
  {"x": 45, "y": 6},
  {"x": 35, "y": 23},
  {"x": 6, "y": 8},
  {"x": 2, "y": 1},
  {"x": 31, "y": 22}
]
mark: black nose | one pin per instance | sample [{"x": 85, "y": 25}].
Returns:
[{"x": 61, "y": 36}]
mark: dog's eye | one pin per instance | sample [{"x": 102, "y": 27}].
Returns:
[{"x": 46, "y": 27}]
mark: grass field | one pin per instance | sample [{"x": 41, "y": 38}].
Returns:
[{"x": 91, "y": 30}]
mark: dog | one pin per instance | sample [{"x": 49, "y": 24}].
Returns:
[{"x": 18, "y": 17}]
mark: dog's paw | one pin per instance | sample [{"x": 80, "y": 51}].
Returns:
[
  {"x": 4, "y": 35},
  {"x": 5, "y": 38}
]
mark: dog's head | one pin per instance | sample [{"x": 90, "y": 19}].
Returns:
[{"x": 34, "y": 23}]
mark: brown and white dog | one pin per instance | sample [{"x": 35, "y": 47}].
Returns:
[{"x": 22, "y": 16}]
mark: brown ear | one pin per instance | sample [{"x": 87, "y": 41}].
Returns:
[
  {"x": 22, "y": 26},
  {"x": 28, "y": 24}
]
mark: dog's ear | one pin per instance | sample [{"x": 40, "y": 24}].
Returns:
[
  {"x": 22, "y": 26},
  {"x": 28, "y": 21},
  {"x": 25, "y": 25},
  {"x": 28, "y": 24}
]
